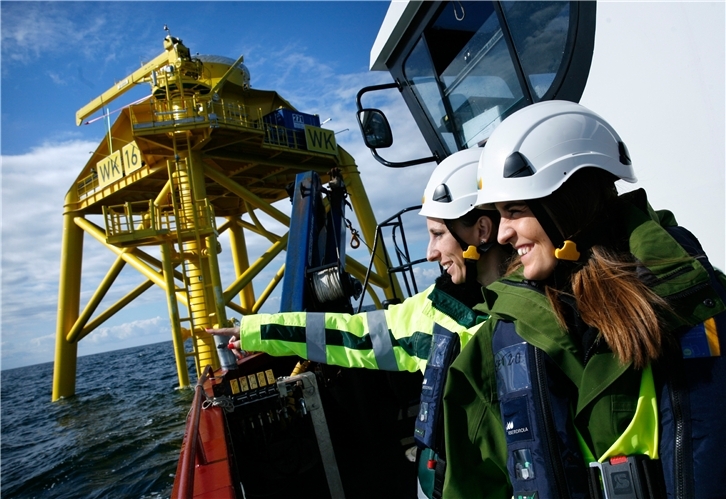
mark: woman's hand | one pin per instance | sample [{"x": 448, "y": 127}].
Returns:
[{"x": 232, "y": 332}]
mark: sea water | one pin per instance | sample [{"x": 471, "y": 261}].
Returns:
[{"x": 119, "y": 437}]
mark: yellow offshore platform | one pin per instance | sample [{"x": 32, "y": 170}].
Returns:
[{"x": 196, "y": 151}]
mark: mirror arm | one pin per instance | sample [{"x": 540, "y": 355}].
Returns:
[
  {"x": 373, "y": 88},
  {"x": 403, "y": 164}
]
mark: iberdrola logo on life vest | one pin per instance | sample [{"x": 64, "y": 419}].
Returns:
[
  {"x": 511, "y": 430},
  {"x": 516, "y": 419}
]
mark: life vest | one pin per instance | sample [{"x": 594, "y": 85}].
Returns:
[
  {"x": 543, "y": 455},
  {"x": 691, "y": 389},
  {"x": 429, "y": 427}
]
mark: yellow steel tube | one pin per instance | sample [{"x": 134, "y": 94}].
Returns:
[
  {"x": 238, "y": 309},
  {"x": 145, "y": 257},
  {"x": 199, "y": 272},
  {"x": 95, "y": 300},
  {"x": 69, "y": 297},
  {"x": 247, "y": 195},
  {"x": 240, "y": 258},
  {"x": 222, "y": 228},
  {"x": 255, "y": 269},
  {"x": 374, "y": 297},
  {"x": 216, "y": 280},
  {"x": 367, "y": 220},
  {"x": 257, "y": 230},
  {"x": 250, "y": 227},
  {"x": 199, "y": 309},
  {"x": 269, "y": 289},
  {"x": 110, "y": 311},
  {"x": 163, "y": 198},
  {"x": 359, "y": 270},
  {"x": 258, "y": 224},
  {"x": 176, "y": 333},
  {"x": 129, "y": 258},
  {"x": 116, "y": 91},
  {"x": 226, "y": 74}
]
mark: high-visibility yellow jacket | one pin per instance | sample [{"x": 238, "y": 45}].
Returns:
[{"x": 395, "y": 339}]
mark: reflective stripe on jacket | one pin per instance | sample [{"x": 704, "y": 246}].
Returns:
[{"x": 395, "y": 339}]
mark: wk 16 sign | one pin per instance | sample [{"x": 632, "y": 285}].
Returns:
[
  {"x": 320, "y": 140},
  {"x": 112, "y": 168}
]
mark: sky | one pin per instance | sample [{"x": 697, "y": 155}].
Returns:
[{"x": 657, "y": 76}]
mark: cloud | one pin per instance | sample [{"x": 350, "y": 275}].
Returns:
[
  {"x": 33, "y": 188},
  {"x": 56, "y": 78},
  {"x": 79, "y": 36},
  {"x": 33, "y": 30},
  {"x": 427, "y": 276},
  {"x": 154, "y": 327}
]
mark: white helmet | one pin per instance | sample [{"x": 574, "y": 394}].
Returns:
[
  {"x": 452, "y": 188},
  {"x": 536, "y": 149}
]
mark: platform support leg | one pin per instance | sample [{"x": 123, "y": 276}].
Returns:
[{"x": 69, "y": 297}]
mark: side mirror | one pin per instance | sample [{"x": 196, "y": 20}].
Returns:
[
  {"x": 375, "y": 128},
  {"x": 377, "y": 132}
]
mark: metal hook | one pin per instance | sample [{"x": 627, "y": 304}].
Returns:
[
  {"x": 354, "y": 235},
  {"x": 463, "y": 12}
]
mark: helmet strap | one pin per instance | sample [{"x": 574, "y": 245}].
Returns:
[
  {"x": 449, "y": 225},
  {"x": 564, "y": 249},
  {"x": 470, "y": 252}
]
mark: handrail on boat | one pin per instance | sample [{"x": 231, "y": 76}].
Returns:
[{"x": 192, "y": 448}]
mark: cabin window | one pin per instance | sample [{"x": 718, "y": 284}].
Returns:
[
  {"x": 462, "y": 72},
  {"x": 539, "y": 33}
]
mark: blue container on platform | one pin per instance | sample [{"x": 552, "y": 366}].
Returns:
[{"x": 294, "y": 122}]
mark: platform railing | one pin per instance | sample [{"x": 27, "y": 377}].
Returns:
[
  {"x": 87, "y": 185},
  {"x": 137, "y": 220},
  {"x": 160, "y": 113},
  {"x": 405, "y": 264}
]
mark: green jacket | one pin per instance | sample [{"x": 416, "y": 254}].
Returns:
[
  {"x": 607, "y": 390},
  {"x": 395, "y": 339}
]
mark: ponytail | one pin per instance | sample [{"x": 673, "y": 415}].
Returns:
[{"x": 610, "y": 297}]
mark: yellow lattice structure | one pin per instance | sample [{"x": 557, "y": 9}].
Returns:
[{"x": 194, "y": 154}]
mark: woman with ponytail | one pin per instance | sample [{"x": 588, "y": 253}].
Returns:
[{"x": 600, "y": 372}]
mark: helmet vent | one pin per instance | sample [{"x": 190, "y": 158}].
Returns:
[
  {"x": 516, "y": 166},
  {"x": 624, "y": 154},
  {"x": 442, "y": 194}
]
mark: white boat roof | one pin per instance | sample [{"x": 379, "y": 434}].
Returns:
[{"x": 398, "y": 17}]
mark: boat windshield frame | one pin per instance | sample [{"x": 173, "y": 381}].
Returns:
[{"x": 465, "y": 66}]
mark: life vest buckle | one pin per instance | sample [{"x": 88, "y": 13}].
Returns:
[{"x": 627, "y": 477}]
